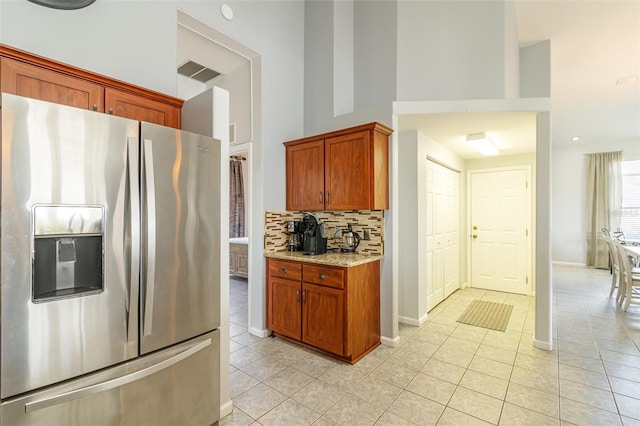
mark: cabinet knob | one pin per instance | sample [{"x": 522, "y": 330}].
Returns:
[
  {"x": 95, "y": 107},
  {"x": 110, "y": 111},
  {"x": 321, "y": 276},
  {"x": 283, "y": 270}
]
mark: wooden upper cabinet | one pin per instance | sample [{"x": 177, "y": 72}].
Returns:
[
  {"x": 22, "y": 79},
  {"x": 348, "y": 172},
  {"x": 352, "y": 175},
  {"x": 305, "y": 173},
  {"x": 25, "y": 74},
  {"x": 128, "y": 105}
]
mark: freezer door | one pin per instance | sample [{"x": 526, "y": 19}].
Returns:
[
  {"x": 180, "y": 288},
  {"x": 176, "y": 386},
  {"x": 69, "y": 306}
]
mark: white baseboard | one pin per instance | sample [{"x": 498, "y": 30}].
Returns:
[
  {"x": 390, "y": 342},
  {"x": 259, "y": 333},
  {"x": 543, "y": 344},
  {"x": 413, "y": 321},
  {"x": 555, "y": 262},
  {"x": 226, "y": 408}
]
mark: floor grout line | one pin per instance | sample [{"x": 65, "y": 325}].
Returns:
[{"x": 569, "y": 283}]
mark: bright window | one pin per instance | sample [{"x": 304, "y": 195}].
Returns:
[{"x": 630, "y": 222}]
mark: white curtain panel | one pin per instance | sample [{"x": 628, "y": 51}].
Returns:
[{"x": 604, "y": 203}]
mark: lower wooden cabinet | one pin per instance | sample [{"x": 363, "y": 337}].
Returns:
[
  {"x": 238, "y": 260},
  {"x": 334, "y": 309}
]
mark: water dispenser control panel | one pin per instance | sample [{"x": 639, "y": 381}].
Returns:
[{"x": 68, "y": 251}]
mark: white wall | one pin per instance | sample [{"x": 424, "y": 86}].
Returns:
[
  {"x": 512, "y": 52},
  {"x": 455, "y": 50},
  {"x": 569, "y": 190},
  {"x": 535, "y": 68},
  {"x": 374, "y": 69},
  {"x": 412, "y": 182},
  {"x": 104, "y": 38},
  {"x": 238, "y": 83},
  {"x": 413, "y": 149}
]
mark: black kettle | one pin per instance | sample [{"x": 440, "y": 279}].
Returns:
[{"x": 347, "y": 240}]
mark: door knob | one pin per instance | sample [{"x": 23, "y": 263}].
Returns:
[{"x": 475, "y": 236}]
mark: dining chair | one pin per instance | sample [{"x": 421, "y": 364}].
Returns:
[
  {"x": 629, "y": 280},
  {"x": 615, "y": 269}
]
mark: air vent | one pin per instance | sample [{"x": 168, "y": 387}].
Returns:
[{"x": 197, "y": 72}]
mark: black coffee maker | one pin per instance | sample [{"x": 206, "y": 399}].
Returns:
[
  {"x": 296, "y": 237},
  {"x": 314, "y": 241}
]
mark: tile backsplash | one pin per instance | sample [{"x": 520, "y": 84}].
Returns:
[{"x": 275, "y": 236}]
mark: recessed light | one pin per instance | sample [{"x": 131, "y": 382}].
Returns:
[{"x": 575, "y": 138}]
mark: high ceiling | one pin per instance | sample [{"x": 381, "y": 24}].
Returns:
[{"x": 594, "y": 44}]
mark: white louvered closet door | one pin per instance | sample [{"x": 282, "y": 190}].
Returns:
[{"x": 442, "y": 233}]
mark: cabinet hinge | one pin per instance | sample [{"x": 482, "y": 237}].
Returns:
[
  {"x": 526, "y": 280},
  {"x": 526, "y": 185},
  {"x": 526, "y": 232}
]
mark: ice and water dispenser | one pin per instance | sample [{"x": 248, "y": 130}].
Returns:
[{"x": 67, "y": 251}]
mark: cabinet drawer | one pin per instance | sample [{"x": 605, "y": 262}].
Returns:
[
  {"x": 285, "y": 269},
  {"x": 323, "y": 275}
]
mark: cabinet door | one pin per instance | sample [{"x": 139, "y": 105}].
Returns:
[
  {"x": 242, "y": 265},
  {"x": 284, "y": 314},
  {"x": 323, "y": 314},
  {"x": 19, "y": 78},
  {"x": 129, "y": 105},
  {"x": 348, "y": 172},
  {"x": 305, "y": 176},
  {"x": 233, "y": 261}
]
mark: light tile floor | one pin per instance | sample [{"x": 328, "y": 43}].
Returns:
[{"x": 447, "y": 373}]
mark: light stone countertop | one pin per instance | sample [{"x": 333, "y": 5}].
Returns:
[{"x": 329, "y": 258}]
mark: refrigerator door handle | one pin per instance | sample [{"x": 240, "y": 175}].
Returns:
[
  {"x": 149, "y": 278},
  {"x": 114, "y": 383},
  {"x": 134, "y": 257}
]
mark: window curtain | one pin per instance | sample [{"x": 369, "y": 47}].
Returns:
[
  {"x": 604, "y": 203},
  {"x": 236, "y": 199}
]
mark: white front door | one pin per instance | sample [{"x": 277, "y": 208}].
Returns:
[{"x": 500, "y": 254}]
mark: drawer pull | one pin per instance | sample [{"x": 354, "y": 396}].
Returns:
[
  {"x": 297, "y": 296},
  {"x": 283, "y": 270},
  {"x": 304, "y": 296},
  {"x": 321, "y": 276}
]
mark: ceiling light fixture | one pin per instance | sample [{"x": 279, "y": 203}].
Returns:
[
  {"x": 63, "y": 4},
  {"x": 483, "y": 144}
]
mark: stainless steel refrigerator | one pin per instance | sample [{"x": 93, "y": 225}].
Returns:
[{"x": 110, "y": 233}]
